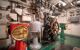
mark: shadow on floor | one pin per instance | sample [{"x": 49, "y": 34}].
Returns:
[
  {"x": 64, "y": 47},
  {"x": 4, "y": 48}
]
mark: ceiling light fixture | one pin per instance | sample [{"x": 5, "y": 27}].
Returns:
[{"x": 63, "y": 3}]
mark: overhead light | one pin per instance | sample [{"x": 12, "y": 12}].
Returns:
[
  {"x": 52, "y": 16},
  {"x": 42, "y": 8},
  {"x": 51, "y": 12},
  {"x": 53, "y": 5},
  {"x": 63, "y": 3},
  {"x": 47, "y": 10},
  {"x": 78, "y": 2},
  {"x": 71, "y": 4}
]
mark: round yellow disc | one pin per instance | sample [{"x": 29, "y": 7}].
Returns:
[{"x": 20, "y": 33}]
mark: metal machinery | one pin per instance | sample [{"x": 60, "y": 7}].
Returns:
[
  {"x": 53, "y": 28},
  {"x": 60, "y": 38},
  {"x": 19, "y": 32}
]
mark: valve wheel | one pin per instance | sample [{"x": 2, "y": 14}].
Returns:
[{"x": 55, "y": 28}]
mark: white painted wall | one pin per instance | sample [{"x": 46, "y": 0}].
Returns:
[
  {"x": 4, "y": 3},
  {"x": 6, "y": 42},
  {"x": 72, "y": 29}
]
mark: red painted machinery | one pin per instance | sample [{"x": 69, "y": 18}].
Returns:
[{"x": 19, "y": 32}]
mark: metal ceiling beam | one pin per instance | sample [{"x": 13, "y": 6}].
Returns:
[{"x": 20, "y": 2}]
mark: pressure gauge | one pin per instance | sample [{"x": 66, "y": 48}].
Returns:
[{"x": 20, "y": 33}]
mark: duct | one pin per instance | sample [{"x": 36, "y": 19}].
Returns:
[
  {"x": 18, "y": 1},
  {"x": 54, "y": 2},
  {"x": 4, "y": 3},
  {"x": 67, "y": 1}
]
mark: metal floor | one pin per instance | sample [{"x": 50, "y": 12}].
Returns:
[
  {"x": 65, "y": 47},
  {"x": 70, "y": 43}
]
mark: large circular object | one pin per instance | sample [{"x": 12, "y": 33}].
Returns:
[{"x": 19, "y": 31}]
